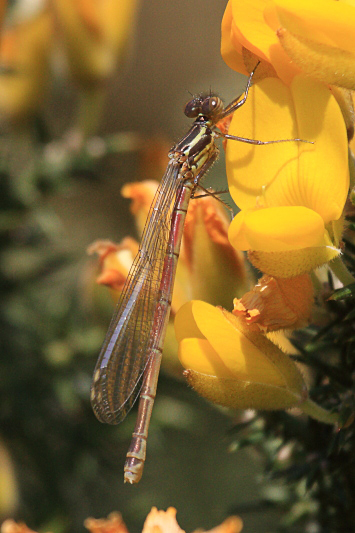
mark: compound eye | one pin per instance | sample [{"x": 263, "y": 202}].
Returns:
[
  {"x": 211, "y": 105},
  {"x": 193, "y": 108}
]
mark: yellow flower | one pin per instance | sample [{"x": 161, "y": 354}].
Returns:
[
  {"x": 24, "y": 54},
  {"x": 94, "y": 35},
  {"x": 232, "y": 366},
  {"x": 315, "y": 38},
  {"x": 291, "y": 194}
]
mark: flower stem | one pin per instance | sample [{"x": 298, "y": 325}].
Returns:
[
  {"x": 341, "y": 272},
  {"x": 90, "y": 106},
  {"x": 318, "y": 413}
]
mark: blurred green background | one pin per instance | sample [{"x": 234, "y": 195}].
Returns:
[{"x": 59, "y": 191}]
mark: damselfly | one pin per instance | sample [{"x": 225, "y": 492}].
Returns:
[{"x": 129, "y": 362}]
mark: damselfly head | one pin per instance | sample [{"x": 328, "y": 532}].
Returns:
[{"x": 207, "y": 106}]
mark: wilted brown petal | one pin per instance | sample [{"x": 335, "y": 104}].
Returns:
[{"x": 276, "y": 303}]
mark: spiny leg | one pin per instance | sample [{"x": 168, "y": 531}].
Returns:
[{"x": 236, "y": 103}]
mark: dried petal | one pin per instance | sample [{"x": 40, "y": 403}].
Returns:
[{"x": 276, "y": 303}]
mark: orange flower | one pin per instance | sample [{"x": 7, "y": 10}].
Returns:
[
  {"x": 115, "y": 262},
  {"x": 141, "y": 193},
  {"x": 156, "y": 522},
  {"x": 10, "y": 526},
  {"x": 112, "y": 524}
]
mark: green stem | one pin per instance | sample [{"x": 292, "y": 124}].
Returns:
[
  {"x": 318, "y": 413},
  {"x": 341, "y": 272},
  {"x": 90, "y": 106}
]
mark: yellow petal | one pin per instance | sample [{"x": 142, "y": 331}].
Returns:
[
  {"x": 292, "y": 263},
  {"x": 185, "y": 324},
  {"x": 8, "y": 484},
  {"x": 291, "y": 173},
  {"x": 89, "y": 59},
  {"x": 236, "y": 232},
  {"x": 251, "y": 31},
  {"x": 319, "y": 37},
  {"x": 326, "y": 21},
  {"x": 205, "y": 359},
  {"x": 279, "y": 228},
  {"x": 118, "y": 21},
  {"x": 231, "y": 50},
  {"x": 94, "y": 35}
]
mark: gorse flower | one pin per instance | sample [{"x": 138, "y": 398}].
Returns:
[
  {"x": 292, "y": 37},
  {"x": 291, "y": 194},
  {"x": 232, "y": 365}
]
